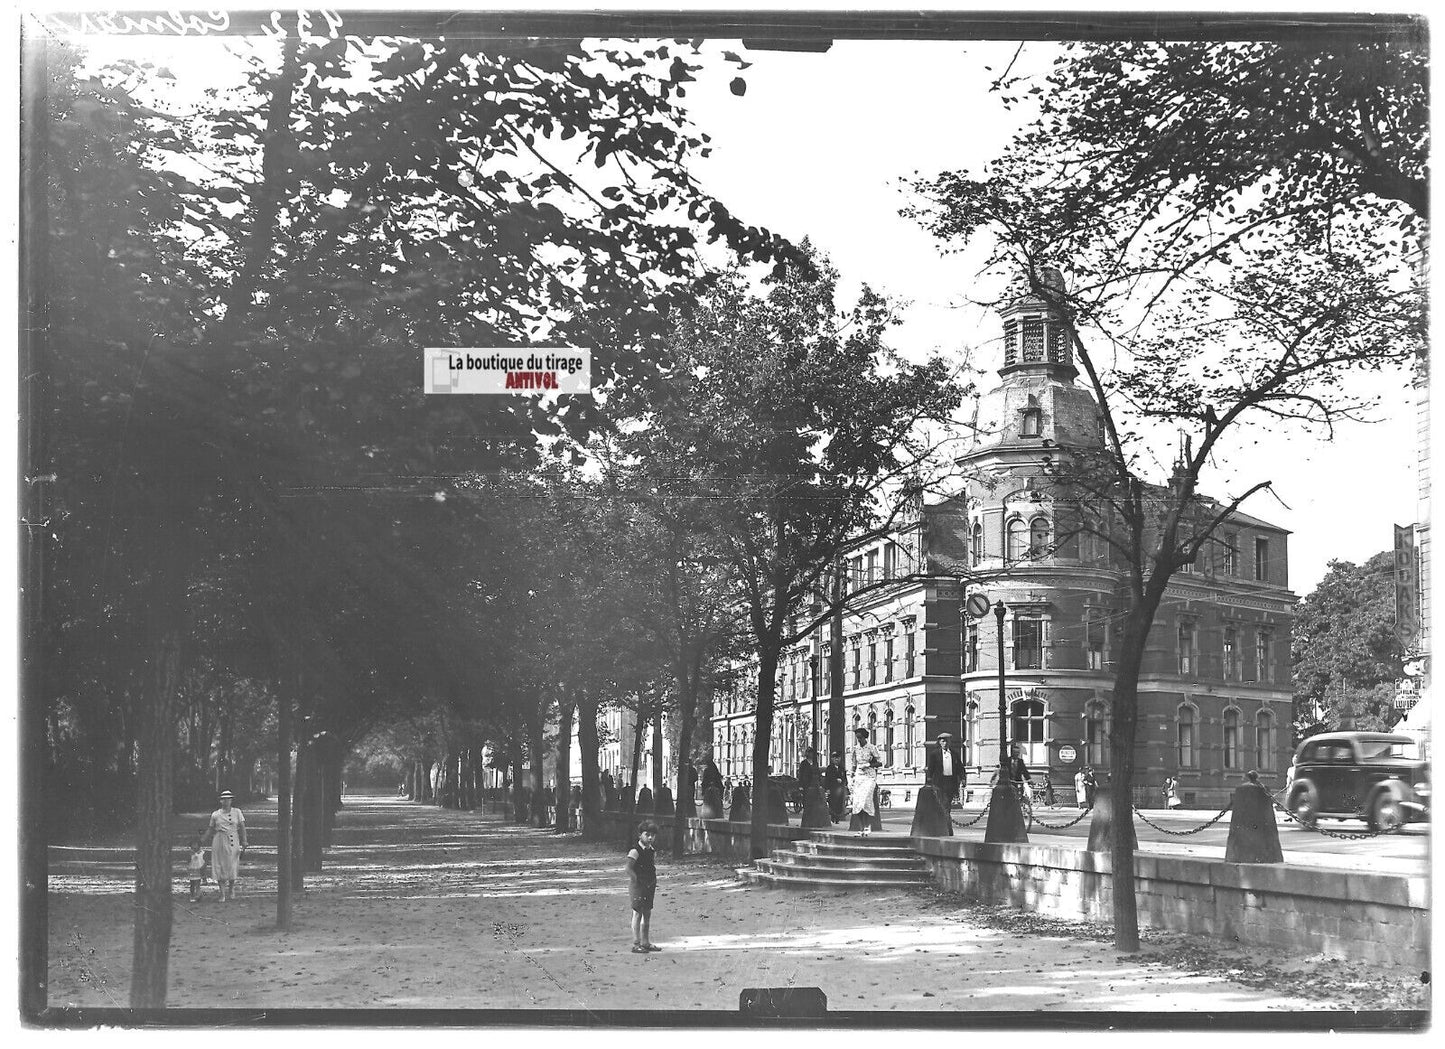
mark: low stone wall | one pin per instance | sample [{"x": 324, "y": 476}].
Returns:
[
  {"x": 1360, "y": 916},
  {"x": 721, "y": 837}
]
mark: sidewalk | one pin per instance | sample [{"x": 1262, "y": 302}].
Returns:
[{"x": 426, "y": 908}]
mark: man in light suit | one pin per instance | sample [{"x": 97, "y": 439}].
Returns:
[{"x": 943, "y": 769}]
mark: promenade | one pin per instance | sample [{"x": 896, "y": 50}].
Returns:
[{"x": 425, "y": 908}]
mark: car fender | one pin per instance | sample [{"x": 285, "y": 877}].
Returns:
[
  {"x": 1303, "y": 787},
  {"x": 1393, "y": 787}
]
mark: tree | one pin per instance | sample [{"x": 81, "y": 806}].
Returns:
[
  {"x": 1347, "y": 656},
  {"x": 1215, "y": 307},
  {"x": 791, "y": 418}
]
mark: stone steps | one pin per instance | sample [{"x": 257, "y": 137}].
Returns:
[{"x": 842, "y": 861}]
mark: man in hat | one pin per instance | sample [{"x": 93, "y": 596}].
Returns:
[{"x": 943, "y": 769}]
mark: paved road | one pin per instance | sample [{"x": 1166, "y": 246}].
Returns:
[
  {"x": 420, "y": 907},
  {"x": 1406, "y": 851}
]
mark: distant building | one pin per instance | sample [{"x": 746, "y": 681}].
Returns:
[{"x": 1214, "y": 693}]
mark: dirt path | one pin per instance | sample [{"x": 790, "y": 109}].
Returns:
[{"x": 426, "y": 908}]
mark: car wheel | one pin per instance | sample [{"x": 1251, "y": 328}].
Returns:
[
  {"x": 1386, "y": 813},
  {"x": 1304, "y": 805}
]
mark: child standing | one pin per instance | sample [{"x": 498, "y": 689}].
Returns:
[
  {"x": 196, "y": 868},
  {"x": 642, "y": 886}
]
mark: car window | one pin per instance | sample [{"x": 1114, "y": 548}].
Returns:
[
  {"x": 1337, "y": 753},
  {"x": 1386, "y": 750},
  {"x": 1311, "y": 752}
]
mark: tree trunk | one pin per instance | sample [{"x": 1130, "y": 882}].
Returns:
[
  {"x": 150, "y": 954},
  {"x": 565, "y": 709},
  {"x": 536, "y": 751},
  {"x": 315, "y": 814},
  {"x": 837, "y": 742},
  {"x": 296, "y": 872},
  {"x": 656, "y": 769},
  {"x": 284, "y": 791},
  {"x": 762, "y": 744},
  {"x": 638, "y": 721},
  {"x": 687, "y": 714},
  {"x": 1123, "y": 725},
  {"x": 587, "y": 743}
]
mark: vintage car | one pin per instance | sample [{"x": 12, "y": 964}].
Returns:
[{"x": 1379, "y": 777}]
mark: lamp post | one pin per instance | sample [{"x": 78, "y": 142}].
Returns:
[{"x": 1005, "y": 817}]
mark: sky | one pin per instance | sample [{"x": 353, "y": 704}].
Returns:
[{"x": 819, "y": 146}]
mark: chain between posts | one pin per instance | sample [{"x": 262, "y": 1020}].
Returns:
[
  {"x": 1062, "y": 826},
  {"x": 981, "y": 814},
  {"x": 1182, "y": 833},
  {"x": 1342, "y": 835}
]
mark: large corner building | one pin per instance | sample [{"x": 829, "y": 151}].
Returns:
[{"x": 1214, "y": 691}]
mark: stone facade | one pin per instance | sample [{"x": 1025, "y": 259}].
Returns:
[{"x": 1214, "y": 690}]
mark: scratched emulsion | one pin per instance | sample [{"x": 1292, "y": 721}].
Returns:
[{"x": 420, "y": 907}]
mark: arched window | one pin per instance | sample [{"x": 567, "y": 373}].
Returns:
[
  {"x": 910, "y": 741},
  {"x": 976, "y": 550},
  {"x": 1017, "y": 540},
  {"x": 888, "y": 738},
  {"x": 1096, "y": 734},
  {"x": 1039, "y": 537},
  {"x": 1184, "y": 735},
  {"x": 1231, "y": 738},
  {"x": 1264, "y": 741},
  {"x": 873, "y": 727}
]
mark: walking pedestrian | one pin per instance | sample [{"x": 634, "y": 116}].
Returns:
[
  {"x": 808, "y": 769},
  {"x": 642, "y": 886},
  {"x": 943, "y": 769},
  {"x": 863, "y": 804},
  {"x": 196, "y": 867},
  {"x": 1090, "y": 785},
  {"x": 227, "y": 831},
  {"x": 1171, "y": 792},
  {"x": 1018, "y": 772},
  {"x": 1079, "y": 791}
]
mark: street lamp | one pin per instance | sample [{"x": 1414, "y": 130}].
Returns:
[{"x": 1005, "y": 817}]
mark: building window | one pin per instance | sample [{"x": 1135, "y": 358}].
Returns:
[
  {"x": 890, "y": 560},
  {"x": 1231, "y": 738},
  {"x": 1028, "y": 643},
  {"x": 815, "y": 668},
  {"x": 888, "y": 660},
  {"x": 872, "y": 559},
  {"x": 855, "y": 570},
  {"x": 977, "y": 551},
  {"x": 1188, "y": 658},
  {"x": 1264, "y": 741},
  {"x": 1231, "y": 654},
  {"x": 1032, "y": 421},
  {"x": 1184, "y": 728},
  {"x": 857, "y": 666},
  {"x": 1096, "y": 736},
  {"x": 970, "y": 659},
  {"x": 1017, "y": 540},
  {"x": 1033, "y": 348},
  {"x": 872, "y": 663},
  {"x": 873, "y": 727},
  {"x": 975, "y": 734},
  {"x": 1027, "y": 722},
  {"x": 888, "y": 738},
  {"x": 1039, "y": 539},
  {"x": 1231, "y": 553},
  {"x": 1058, "y": 345},
  {"x": 1261, "y": 560},
  {"x": 1010, "y": 343},
  {"x": 1096, "y": 638},
  {"x": 908, "y": 650},
  {"x": 910, "y": 741},
  {"x": 1264, "y": 656}
]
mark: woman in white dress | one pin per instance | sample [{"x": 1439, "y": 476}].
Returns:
[
  {"x": 865, "y": 762},
  {"x": 228, "y": 841}
]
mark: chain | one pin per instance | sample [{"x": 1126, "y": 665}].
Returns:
[
  {"x": 1062, "y": 826},
  {"x": 1342, "y": 835},
  {"x": 1182, "y": 833},
  {"x": 981, "y": 814}
]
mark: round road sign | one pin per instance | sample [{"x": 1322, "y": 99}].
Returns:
[{"x": 978, "y": 605}]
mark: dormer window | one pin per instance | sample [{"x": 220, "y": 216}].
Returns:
[{"x": 1032, "y": 421}]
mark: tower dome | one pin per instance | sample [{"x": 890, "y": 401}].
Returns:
[{"x": 1036, "y": 334}]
